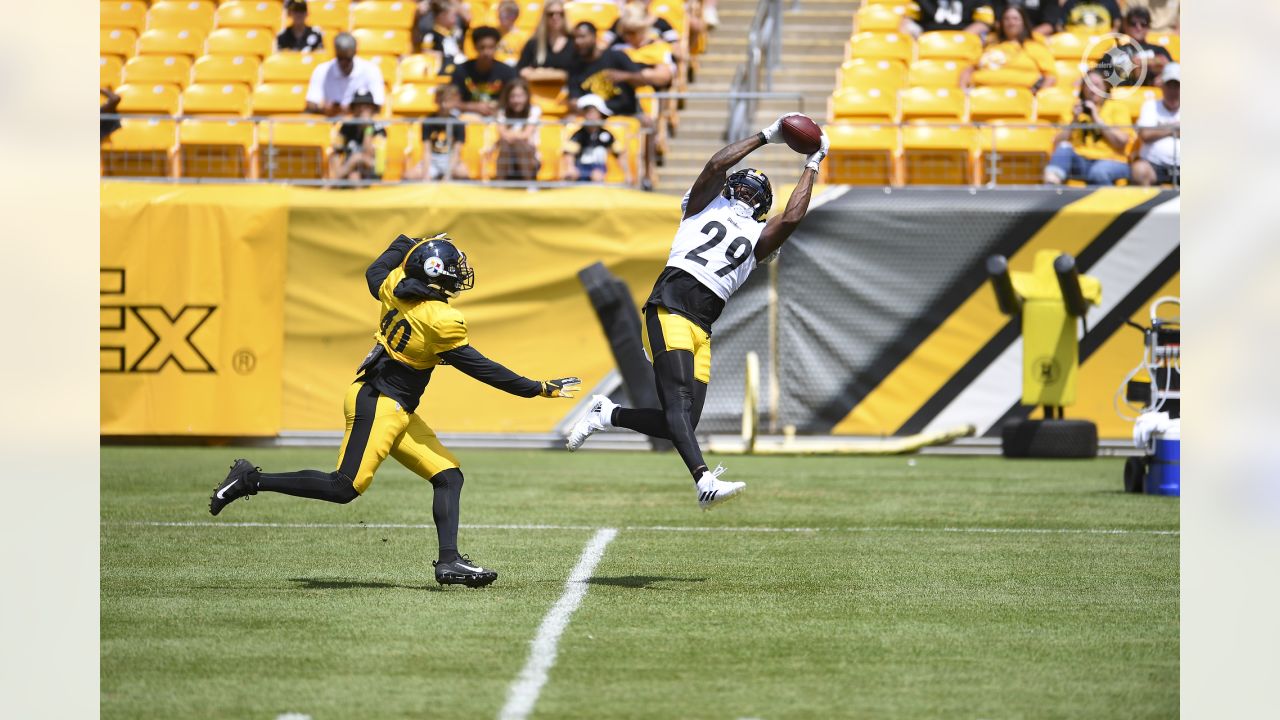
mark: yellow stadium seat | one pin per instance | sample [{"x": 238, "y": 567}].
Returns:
[
  {"x": 120, "y": 42},
  {"x": 215, "y": 148},
  {"x": 550, "y": 145},
  {"x": 216, "y": 99},
  {"x": 241, "y": 41},
  {"x": 152, "y": 98},
  {"x": 109, "y": 68},
  {"x": 290, "y": 67},
  {"x": 130, "y": 14},
  {"x": 861, "y": 72},
  {"x": 865, "y": 104},
  {"x": 1069, "y": 71},
  {"x": 279, "y": 98},
  {"x": 140, "y": 148},
  {"x": 330, "y": 14},
  {"x": 673, "y": 12},
  {"x": 935, "y": 73},
  {"x": 863, "y": 154},
  {"x": 152, "y": 69},
  {"x": 1073, "y": 47},
  {"x": 472, "y": 152},
  {"x": 1133, "y": 98},
  {"x": 938, "y": 154},
  {"x": 1001, "y": 103},
  {"x": 241, "y": 69},
  {"x": 601, "y": 14},
  {"x": 387, "y": 65},
  {"x": 628, "y": 132},
  {"x": 389, "y": 14},
  {"x": 919, "y": 103},
  {"x": 881, "y": 46},
  {"x": 949, "y": 45},
  {"x": 530, "y": 14},
  {"x": 171, "y": 41},
  {"x": 294, "y": 149},
  {"x": 1053, "y": 102},
  {"x": 879, "y": 18},
  {"x": 1170, "y": 41},
  {"x": 1019, "y": 154},
  {"x": 413, "y": 100},
  {"x": 194, "y": 15},
  {"x": 404, "y": 142},
  {"x": 423, "y": 67},
  {"x": 252, "y": 14},
  {"x": 379, "y": 41}
]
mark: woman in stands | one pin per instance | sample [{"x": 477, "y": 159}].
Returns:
[
  {"x": 517, "y": 145},
  {"x": 1016, "y": 59},
  {"x": 551, "y": 45}
]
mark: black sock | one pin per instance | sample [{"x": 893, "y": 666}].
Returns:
[
  {"x": 649, "y": 421},
  {"x": 331, "y": 487},
  {"x": 697, "y": 473},
  {"x": 444, "y": 511}
]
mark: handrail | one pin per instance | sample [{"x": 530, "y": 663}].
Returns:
[{"x": 764, "y": 49}]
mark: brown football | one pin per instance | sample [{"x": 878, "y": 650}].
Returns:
[{"x": 802, "y": 134}]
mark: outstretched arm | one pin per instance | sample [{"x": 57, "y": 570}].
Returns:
[
  {"x": 711, "y": 180},
  {"x": 473, "y": 364},
  {"x": 389, "y": 260},
  {"x": 780, "y": 226}
]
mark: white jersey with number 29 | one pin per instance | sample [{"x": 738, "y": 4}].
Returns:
[{"x": 717, "y": 246}]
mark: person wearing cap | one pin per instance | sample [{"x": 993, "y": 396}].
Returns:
[
  {"x": 585, "y": 156},
  {"x": 355, "y": 157},
  {"x": 1159, "y": 127},
  {"x": 480, "y": 80},
  {"x": 334, "y": 82},
  {"x": 1137, "y": 21},
  {"x": 298, "y": 35}
]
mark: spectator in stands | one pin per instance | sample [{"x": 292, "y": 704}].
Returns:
[
  {"x": 1095, "y": 149},
  {"x": 658, "y": 27},
  {"x": 1015, "y": 58},
  {"x": 1092, "y": 16},
  {"x": 1165, "y": 14},
  {"x": 975, "y": 16},
  {"x": 439, "y": 26},
  {"x": 1042, "y": 15},
  {"x": 443, "y": 135},
  {"x": 355, "y": 157},
  {"x": 517, "y": 145},
  {"x": 298, "y": 35},
  {"x": 480, "y": 80},
  {"x": 513, "y": 38},
  {"x": 607, "y": 73},
  {"x": 334, "y": 82},
  {"x": 110, "y": 102},
  {"x": 1136, "y": 23},
  {"x": 1159, "y": 128},
  {"x": 585, "y": 156},
  {"x": 637, "y": 41},
  {"x": 551, "y": 45}
]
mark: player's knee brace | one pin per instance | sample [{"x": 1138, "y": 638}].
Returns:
[{"x": 344, "y": 488}]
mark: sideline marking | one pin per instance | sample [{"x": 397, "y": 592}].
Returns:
[{"x": 524, "y": 691}]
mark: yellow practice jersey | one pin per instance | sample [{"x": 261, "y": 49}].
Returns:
[{"x": 415, "y": 331}]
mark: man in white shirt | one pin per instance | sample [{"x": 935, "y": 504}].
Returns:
[
  {"x": 1159, "y": 127},
  {"x": 334, "y": 82}
]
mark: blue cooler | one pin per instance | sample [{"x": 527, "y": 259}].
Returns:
[{"x": 1164, "y": 468}]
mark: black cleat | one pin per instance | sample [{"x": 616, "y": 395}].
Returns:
[
  {"x": 239, "y": 483},
  {"x": 463, "y": 572}
]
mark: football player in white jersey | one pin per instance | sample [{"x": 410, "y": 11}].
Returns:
[{"x": 722, "y": 237}]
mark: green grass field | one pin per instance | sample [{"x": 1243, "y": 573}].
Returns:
[{"x": 941, "y": 589}]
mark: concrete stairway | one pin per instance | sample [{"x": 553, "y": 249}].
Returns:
[{"x": 813, "y": 39}]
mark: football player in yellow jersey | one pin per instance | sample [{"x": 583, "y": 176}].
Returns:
[{"x": 418, "y": 330}]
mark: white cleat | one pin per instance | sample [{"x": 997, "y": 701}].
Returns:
[
  {"x": 712, "y": 490},
  {"x": 595, "y": 419}
]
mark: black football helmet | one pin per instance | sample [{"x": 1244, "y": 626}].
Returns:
[
  {"x": 751, "y": 187},
  {"x": 441, "y": 265}
]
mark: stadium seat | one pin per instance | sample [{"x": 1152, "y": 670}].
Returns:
[
  {"x": 371, "y": 41},
  {"x": 863, "y": 154},
  {"x": 932, "y": 104},
  {"x": 881, "y": 46},
  {"x": 674, "y": 13},
  {"x": 472, "y": 151},
  {"x": 388, "y": 65},
  {"x": 330, "y": 14},
  {"x": 949, "y": 45},
  {"x": 241, "y": 41},
  {"x": 130, "y": 14},
  {"x": 937, "y": 154},
  {"x": 385, "y": 14},
  {"x": 152, "y": 69},
  {"x": 215, "y": 148},
  {"x": 403, "y": 146},
  {"x": 601, "y": 14},
  {"x": 1054, "y": 102},
  {"x": 413, "y": 100},
  {"x": 294, "y": 149},
  {"x": 279, "y": 98},
  {"x": 171, "y": 41},
  {"x": 241, "y": 69},
  {"x": 1001, "y": 103},
  {"x": 140, "y": 148},
  {"x": 290, "y": 67},
  {"x": 861, "y": 72},
  {"x": 420, "y": 68},
  {"x": 874, "y": 104},
  {"x": 879, "y": 18},
  {"x": 1170, "y": 41},
  {"x": 935, "y": 73},
  {"x": 193, "y": 15},
  {"x": 261, "y": 14},
  {"x": 120, "y": 42},
  {"x": 530, "y": 14},
  {"x": 109, "y": 70},
  {"x": 627, "y": 167},
  {"x": 154, "y": 99},
  {"x": 1069, "y": 71},
  {"x": 1019, "y": 154},
  {"x": 550, "y": 145},
  {"x": 1134, "y": 98},
  {"x": 216, "y": 99},
  {"x": 1072, "y": 47}
]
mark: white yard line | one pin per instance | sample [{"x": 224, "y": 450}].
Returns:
[
  {"x": 667, "y": 528},
  {"x": 523, "y": 693}
]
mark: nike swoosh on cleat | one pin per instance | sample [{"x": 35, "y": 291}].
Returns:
[
  {"x": 472, "y": 569},
  {"x": 228, "y": 487}
]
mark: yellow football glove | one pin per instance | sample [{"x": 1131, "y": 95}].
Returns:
[{"x": 561, "y": 387}]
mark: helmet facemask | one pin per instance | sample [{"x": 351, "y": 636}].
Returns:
[{"x": 750, "y": 193}]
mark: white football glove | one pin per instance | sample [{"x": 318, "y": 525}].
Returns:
[
  {"x": 773, "y": 133},
  {"x": 815, "y": 159}
]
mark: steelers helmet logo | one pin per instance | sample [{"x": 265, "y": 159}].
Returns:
[{"x": 434, "y": 266}]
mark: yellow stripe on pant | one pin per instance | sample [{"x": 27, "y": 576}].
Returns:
[
  {"x": 681, "y": 333},
  {"x": 376, "y": 427}
]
